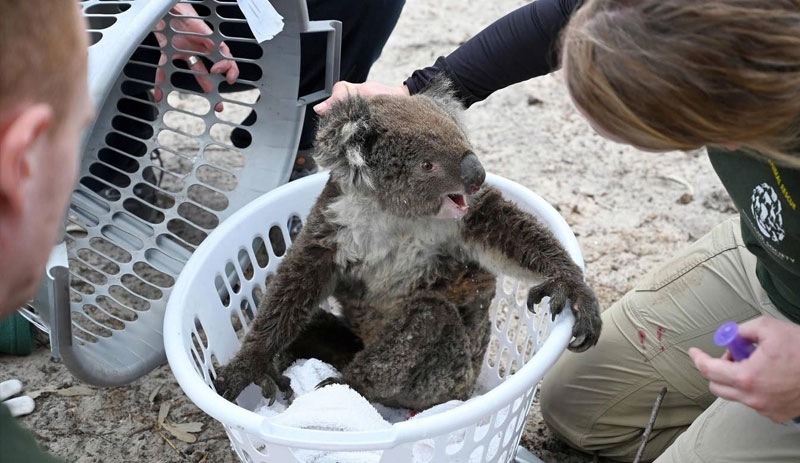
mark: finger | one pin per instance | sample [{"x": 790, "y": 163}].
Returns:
[
  {"x": 232, "y": 70},
  {"x": 185, "y": 9},
  {"x": 9, "y": 388},
  {"x": 713, "y": 369},
  {"x": 340, "y": 91},
  {"x": 726, "y": 392},
  {"x": 20, "y": 406},
  {"x": 754, "y": 330},
  {"x": 205, "y": 83},
  {"x": 161, "y": 76},
  {"x": 224, "y": 50},
  {"x": 161, "y": 38},
  {"x": 200, "y": 68},
  {"x": 227, "y": 67},
  {"x": 696, "y": 354},
  {"x": 191, "y": 25},
  {"x": 322, "y": 107}
]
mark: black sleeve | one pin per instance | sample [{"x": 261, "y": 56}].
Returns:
[{"x": 516, "y": 47}]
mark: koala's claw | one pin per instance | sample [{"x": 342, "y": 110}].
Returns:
[
  {"x": 270, "y": 388},
  {"x": 588, "y": 324},
  {"x": 584, "y": 305},
  {"x": 535, "y": 296},
  {"x": 577, "y": 342},
  {"x": 329, "y": 381},
  {"x": 233, "y": 378}
]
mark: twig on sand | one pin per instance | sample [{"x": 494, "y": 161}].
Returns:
[{"x": 649, "y": 428}]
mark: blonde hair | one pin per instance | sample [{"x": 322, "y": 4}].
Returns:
[
  {"x": 682, "y": 74},
  {"x": 41, "y": 53}
]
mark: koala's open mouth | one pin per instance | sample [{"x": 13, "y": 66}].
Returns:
[{"x": 454, "y": 206}]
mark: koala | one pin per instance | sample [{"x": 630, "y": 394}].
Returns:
[{"x": 408, "y": 240}]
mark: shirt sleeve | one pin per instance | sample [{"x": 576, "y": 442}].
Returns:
[
  {"x": 18, "y": 444},
  {"x": 516, "y": 47}
]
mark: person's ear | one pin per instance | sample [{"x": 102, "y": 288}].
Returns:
[{"x": 20, "y": 138}]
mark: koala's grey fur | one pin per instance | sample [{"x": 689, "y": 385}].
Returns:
[{"x": 414, "y": 288}]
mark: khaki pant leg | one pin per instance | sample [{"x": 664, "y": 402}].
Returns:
[
  {"x": 600, "y": 400},
  {"x": 729, "y": 432}
]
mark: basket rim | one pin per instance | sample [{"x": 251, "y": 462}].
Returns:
[{"x": 236, "y": 417}]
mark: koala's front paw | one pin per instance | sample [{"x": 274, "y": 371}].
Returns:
[
  {"x": 584, "y": 305},
  {"x": 234, "y": 377}
]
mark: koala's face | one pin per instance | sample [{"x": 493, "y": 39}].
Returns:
[{"x": 408, "y": 153}]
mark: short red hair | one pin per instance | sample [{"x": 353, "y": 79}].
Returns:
[{"x": 41, "y": 53}]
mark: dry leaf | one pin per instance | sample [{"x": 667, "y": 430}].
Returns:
[
  {"x": 183, "y": 431},
  {"x": 66, "y": 392},
  {"x": 75, "y": 391},
  {"x": 36, "y": 394},
  {"x": 155, "y": 392},
  {"x": 194, "y": 426},
  {"x": 162, "y": 413}
]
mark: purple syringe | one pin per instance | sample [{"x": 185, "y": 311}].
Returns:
[{"x": 727, "y": 335}]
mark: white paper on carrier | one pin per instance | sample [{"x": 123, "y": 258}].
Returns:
[{"x": 263, "y": 19}]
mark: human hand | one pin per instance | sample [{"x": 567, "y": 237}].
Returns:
[
  {"x": 768, "y": 380},
  {"x": 18, "y": 405},
  {"x": 343, "y": 89},
  {"x": 187, "y": 42}
]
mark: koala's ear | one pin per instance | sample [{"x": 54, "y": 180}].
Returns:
[
  {"x": 344, "y": 138},
  {"x": 440, "y": 89}
]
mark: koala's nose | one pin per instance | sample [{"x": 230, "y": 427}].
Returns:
[{"x": 472, "y": 173}]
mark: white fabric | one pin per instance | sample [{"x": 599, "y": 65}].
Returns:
[
  {"x": 19, "y": 406},
  {"x": 337, "y": 407}
]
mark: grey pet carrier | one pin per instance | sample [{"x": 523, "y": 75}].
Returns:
[{"x": 160, "y": 168}]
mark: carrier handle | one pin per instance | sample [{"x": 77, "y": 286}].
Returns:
[{"x": 332, "y": 58}]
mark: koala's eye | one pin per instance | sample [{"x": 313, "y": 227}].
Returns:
[{"x": 427, "y": 165}]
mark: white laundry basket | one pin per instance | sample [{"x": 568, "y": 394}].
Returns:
[{"x": 216, "y": 295}]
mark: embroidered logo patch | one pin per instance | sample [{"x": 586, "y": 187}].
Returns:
[{"x": 766, "y": 209}]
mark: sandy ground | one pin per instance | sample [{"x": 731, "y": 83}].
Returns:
[{"x": 628, "y": 209}]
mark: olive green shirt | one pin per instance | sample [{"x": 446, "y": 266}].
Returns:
[
  {"x": 766, "y": 195},
  {"x": 17, "y": 445}
]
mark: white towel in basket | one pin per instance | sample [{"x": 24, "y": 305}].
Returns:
[
  {"x": 346, "y": 404},
  {"x": 339, "y": 408},
  {"x": 333, "y": 408}
]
